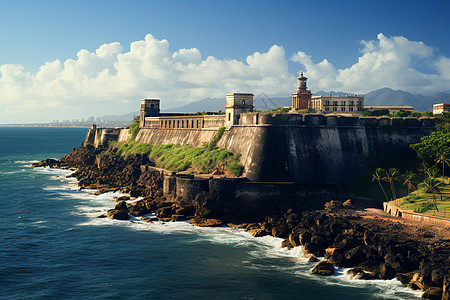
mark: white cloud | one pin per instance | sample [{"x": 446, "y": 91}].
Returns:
[
  {"x": 385, "y": 62},
  {"x": 109, "y": 80},
  {"x": 149, "y": 69}
]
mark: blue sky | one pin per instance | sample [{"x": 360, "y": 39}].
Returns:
[{"x": 248, "y": 46}]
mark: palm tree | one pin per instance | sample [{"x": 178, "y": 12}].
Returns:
[
  {"x": 409, "y": 180},
  {"x": 429, "y": 171},
  {"x": 443, "y": 158},
  {"x": 432, "y": 185},
  {"x": 390, "y": 176},
  {"x": 378, "y": 176}
]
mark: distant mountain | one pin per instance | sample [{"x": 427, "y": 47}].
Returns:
[
  {"x": 387, "y": 96},
  {"x": 384, "y": 96},
  {"x": 206, "y": 104},
  {"x": 123, "y": 118}
]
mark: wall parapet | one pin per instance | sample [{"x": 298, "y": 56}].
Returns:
[
  {"x": 410, "y": 215},
  {"x": 256, "y": 118}
]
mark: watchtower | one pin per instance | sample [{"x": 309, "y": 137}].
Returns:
[
  {"x": 149, "y": 108},
  {"x": 301, "y": 97},
  {"x": 237, "y": 103}
]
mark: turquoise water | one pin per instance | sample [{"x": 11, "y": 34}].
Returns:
[{"x": 52, "y": 246}]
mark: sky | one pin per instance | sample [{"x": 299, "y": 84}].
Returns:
[{"x": 74, "y": 59}]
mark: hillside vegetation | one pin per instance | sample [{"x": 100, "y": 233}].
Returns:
[{"x": 182, "y": 158}]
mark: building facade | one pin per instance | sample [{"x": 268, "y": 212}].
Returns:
[
  {"x": 330, "y": 103},
  {"x": 301, "y": 97},
  {"x": 441, "y": 108}
]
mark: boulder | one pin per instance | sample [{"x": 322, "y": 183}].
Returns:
[
  {"x": 323, "y": 268},
  {"x": 203, "y": 222},
  {"x": 294, "y": 239},
  {"x": 433, "y": 293},
  {"x": 286, "y": 244},
  {"x": 386, "y": 271},
  {"x": 117, "y": 214},
  {"x": 122, "y": 205},
  {"x": 446, "y": 288},
  {"x": 312, "y": 259},
  {"x": 357, "y": 273},
  {"x": 348, "y": 204},
  {"x": 354, "y": 256}
]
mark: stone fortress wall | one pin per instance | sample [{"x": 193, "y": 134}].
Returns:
[{"x": 309, "y": 148}]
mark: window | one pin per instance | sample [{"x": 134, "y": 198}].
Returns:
[
  {"x": 343, "y": 108},
  {"x": 327, "y": 102},
  {"x": 351, "y": 103},
  {"x": 327, "y": 109},
  {"x": 350, "y": 109},
  {"x": 334, "y": 108},
  {"x": 359, "y": 108},
  {"x": 343, "y": 103},
  {"x": 335, "y": 103},
  {"x": 359, "y": 102},
  {"x": 151, "y": 105},
  {"x": 229, "y": 116},
  {"x": 243, "y": 102}
]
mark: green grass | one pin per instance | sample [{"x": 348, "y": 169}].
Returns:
[
  {"x": 180, "y": 158},
  {"x": 422, "y": 202}
]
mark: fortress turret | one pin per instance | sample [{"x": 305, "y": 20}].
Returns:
[
  {"x": 237, "y": 103},
  {"x": 149, "y": 108},
  {"x": 301, "y": 97}
]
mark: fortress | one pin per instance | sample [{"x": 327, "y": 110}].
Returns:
[{"x": 289, "y": 151}]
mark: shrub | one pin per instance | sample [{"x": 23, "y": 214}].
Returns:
[{"x": 423, "y": 207}]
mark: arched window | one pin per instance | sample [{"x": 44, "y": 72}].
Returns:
[{"x": 243, "y": 102}]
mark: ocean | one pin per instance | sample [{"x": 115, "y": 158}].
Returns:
[{"x": 53, "y": 246}]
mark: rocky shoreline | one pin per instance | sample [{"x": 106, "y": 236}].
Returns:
[{"x": 373, "y": 246}]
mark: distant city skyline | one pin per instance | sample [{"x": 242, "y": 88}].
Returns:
[{"x": 62, "y": 60}]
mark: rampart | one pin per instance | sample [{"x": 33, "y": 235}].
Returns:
[
  {"x": 309, "y": 149},
  {"x": 242, "y": 198}
]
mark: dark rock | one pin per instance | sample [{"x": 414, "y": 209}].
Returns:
[
  {"x": 446, "y": 288},
  {"x": 323, "y": 268},
  {"x": 294, "y": 239},
  {"x": 312, "y": 259},
  {"x": 348, "y": 204},
  {"x": 354, "y": 256},
  {"x": 203, "y": 222},
  {"x": 286, "y": 244},
  {"x": 279, "y": 231},
  {"x": 122, "y": 205},
  {"x": 305, "y": 237},
  {"x": 178, "y": 217},
  {"x": 386, "y": 271},
  {"x": 357, "y": 273},
  {"x": 433, "y": 293},
  {"x": 116, "y": 214}
]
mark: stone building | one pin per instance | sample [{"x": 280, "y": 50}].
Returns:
[
  {"x": 441, "y": 108},
  {"x": 237, "y": 104},
  {"x": 337, "y": 103},
  {"x": 301, "y": 97}
]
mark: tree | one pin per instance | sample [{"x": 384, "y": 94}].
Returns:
[
  {"x": 432, "y": 185},
  {"x": 443, "y": 158},
  {"x": 430, "y": 146},
  {"x": 390, "y": 176},
  {"x": 409, "y": 180},
  {"x": 378, "y": 176}
]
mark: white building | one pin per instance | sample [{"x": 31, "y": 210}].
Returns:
[{"x": 337, "y": 103}]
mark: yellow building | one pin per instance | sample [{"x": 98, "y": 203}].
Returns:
[
  {"x": 440, "y": 108},
  {"x": 337, "y": 103}
]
